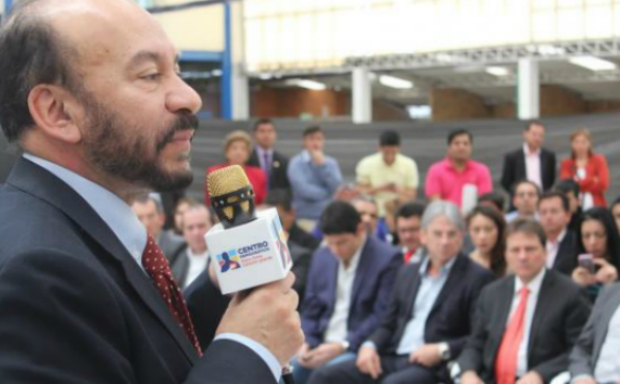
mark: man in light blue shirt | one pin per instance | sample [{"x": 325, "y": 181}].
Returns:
[
  {"x": 86, "y": 296},
  {"x": 314, "y": 179},
  {"x": 429, "y": 314}
]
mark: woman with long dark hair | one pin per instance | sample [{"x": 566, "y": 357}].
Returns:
[
  {"x": 598, "y": 237},
  {"x": 486, "y": 228}
]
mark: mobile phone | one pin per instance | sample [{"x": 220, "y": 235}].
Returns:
[{"x": 586, "y": 261}]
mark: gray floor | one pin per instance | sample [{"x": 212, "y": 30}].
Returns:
[{"x": 425, "y": 142}]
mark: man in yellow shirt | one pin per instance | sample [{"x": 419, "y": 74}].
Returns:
[{"x": 387, "y": 175}]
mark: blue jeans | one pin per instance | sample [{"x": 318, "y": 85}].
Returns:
[{"x": 302, "y": 374}]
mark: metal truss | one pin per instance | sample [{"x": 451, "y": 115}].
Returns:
[{"x": 476, "y": 56}]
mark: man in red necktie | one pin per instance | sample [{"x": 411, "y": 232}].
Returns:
[{"x": 525, "y": 324}]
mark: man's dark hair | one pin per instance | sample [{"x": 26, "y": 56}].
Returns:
[
  {"x": 568, "y": 185},
  {"x": 409, "y": 210},
  {"x": 260, "y": 122},
  {"x": 497, "y": 199},
  {"x": 553, "y": 194},
  {"x": 531, "y": 123},
  {"x": 516, "y": 185},
  {"x": 340, "y": 218},
  {"x": 529, "y": 227},
  {"x": 459, "y": 132},
  {"x": 279, "y": 198},
  {"x": 389, "y": 139},
  {"x": 31, "y": 53},
  {"x": 311, "y": 130}
]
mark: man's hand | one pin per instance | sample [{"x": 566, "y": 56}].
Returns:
[
  {"x": 471, "y": 377},
  {"x": 427, "y": 355},
  {"x": 320, "y": 355},
  {"x": 532, "y": 377},
  {"x": 318, "y": 157},
  {"x": 369, "y": 362},
  {"x": 268, "y": 316}
]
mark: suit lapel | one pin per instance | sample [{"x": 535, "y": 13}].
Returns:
[
  {"x": 360, "y": 275},
  {"x": 38, "y": 182},
  {"x": 545, "y": 301},
  {"x": 453, "y": 279},
  {"x": 521, "y": 171},
  {"x": 607, "y": 313},
  {"x": 414, "y": 287}
]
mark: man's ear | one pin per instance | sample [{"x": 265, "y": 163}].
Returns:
[{"x": 54, "y": 111}]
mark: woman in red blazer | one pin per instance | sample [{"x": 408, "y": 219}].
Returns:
[
  {"x": 237, "y": 150},
  {"x": 588, "y": 169}
]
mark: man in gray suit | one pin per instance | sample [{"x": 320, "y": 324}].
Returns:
[
  {"x": 150, "y": 212},
  {"x": 594, "y": 358}
]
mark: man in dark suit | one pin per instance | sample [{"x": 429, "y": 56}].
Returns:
[
  {"x": 554, "y": 212},
  {"x": 264, "y": 156},
  {"x": 150, "y": 212},
  {"x": 86, "y": 295},
  {"x": 531, "y": 161},
  {"x": 594, "y": 358},
  {"x": 429, "y": 313},
  {"x": 526, "y": 324},
  {"x": 347, "y": 289}
]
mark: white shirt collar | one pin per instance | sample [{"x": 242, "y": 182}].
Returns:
[
  {"x": 527, "y": 151},
  {"x": 533, "y": 286},
  {"x": 561, "y": 237},
  {"x": 193, "y": 255},
  {"x": 117, "y": 214}
]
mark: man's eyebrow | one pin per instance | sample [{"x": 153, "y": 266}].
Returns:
[{"x": 149, "y": 56}]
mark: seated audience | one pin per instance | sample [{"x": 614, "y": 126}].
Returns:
[
  {"x": 526, "y": 323},
  {"x": 408, "y": 229},
  {"x": 179, "y": 210},
  {"x": 429, "y": 313},
  {"x": 237, "y": 149},
  {"x": 150, "y": 212},
  {"x": 615, "y": 211},
  {"x": 525, "y": 200},
  {"x": 314, "y": 178},
  {"x": 597, "y": 237},
  {"x": 594, "y": 358},
  {"x": 195, "y": 259},
  {"x": 570, "y": 189},
  {"x": 264, "y": 156},
  {"x": 347, "y": 290},
  {"x": 447, "y": 178},
  {"x": 388, "y": 175},
  {"x": 588, "y": 169},
  {"x": 486, "y": 229},
  {"x": 554, "y": 211},
  {"x": 494, "y": 200}
]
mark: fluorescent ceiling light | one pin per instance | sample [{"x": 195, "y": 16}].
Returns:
[
  {"x": 265, "y": 76},
  {"x": 308, "y": 84},
  {"x": 395, "y": 82},
  {"x": 592, "y": 63},
  {"x": 497, "y": 71}
]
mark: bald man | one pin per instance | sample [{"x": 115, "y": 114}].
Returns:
[{"x": 90, "y": 91}]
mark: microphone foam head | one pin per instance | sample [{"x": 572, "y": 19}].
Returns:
[{"x": 226, "y": 180}]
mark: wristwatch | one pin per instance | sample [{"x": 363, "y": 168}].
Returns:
[
  {"x": 345, "y": 345},
  {"x": 444, "y": 351}
]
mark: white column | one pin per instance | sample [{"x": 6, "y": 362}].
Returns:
[
  {"x": 528, "y": 89},
  {"x": 362, "y": 96},
  {"x": 240, "y": 81}
]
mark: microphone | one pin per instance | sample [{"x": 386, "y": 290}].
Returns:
[{"x": 250, "y": 250}]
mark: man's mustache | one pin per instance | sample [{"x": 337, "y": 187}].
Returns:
[{"x": 183, "y": 123}]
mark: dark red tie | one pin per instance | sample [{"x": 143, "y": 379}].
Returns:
[{"x": 156, "y": 264}]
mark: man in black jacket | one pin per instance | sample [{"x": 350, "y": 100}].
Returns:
[
  {"x": 531, "y": 161},
  {"x": 526, "y": 323},
  {"x": 90, "y": 91},
  {"x": 429, "y": 313},
  {"x": 264, "y": 156}
]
